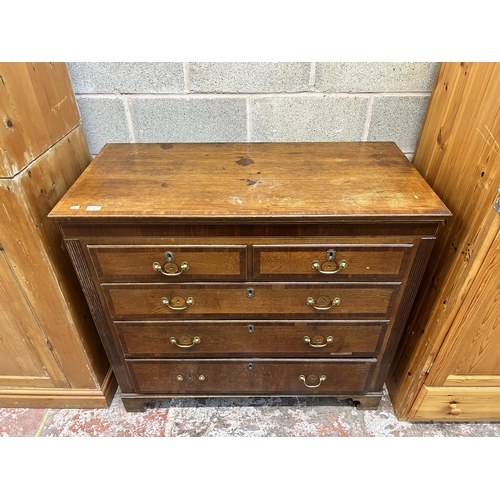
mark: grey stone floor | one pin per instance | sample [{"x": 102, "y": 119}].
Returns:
[
  {"x": 232, "y": 417},
  {"x": 292, "y": 468}
]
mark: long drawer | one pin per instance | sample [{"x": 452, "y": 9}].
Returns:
[
  {"x": 173, "y": 263},
  {"x": 249, "y": 300},
  {"x": 176, "y": 339},
  {"x": 251, "y": 376}
]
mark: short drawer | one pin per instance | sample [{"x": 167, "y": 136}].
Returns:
[
  {"x": 251, "y": 376},
  {"x": 357, "y": 262},
  {"x": 176, "y": 339},
  {"x": 458, "y": 404},
  {"x": 251, "y": 300},
  {"x": 169, "y": 264}
]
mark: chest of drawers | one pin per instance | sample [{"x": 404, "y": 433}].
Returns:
[{"x": 250, "y": 269}]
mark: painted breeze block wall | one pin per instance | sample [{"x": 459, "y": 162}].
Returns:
[{"x": 252, "y": 102}]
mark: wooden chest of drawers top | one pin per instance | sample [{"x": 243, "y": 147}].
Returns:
[{"x": 257, "y": 182}]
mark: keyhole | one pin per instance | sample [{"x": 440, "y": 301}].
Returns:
[
  {"x": 250, "y": 292},
  {"x": 169, "y": 256},
  {"x": 330, "y": 255},
  {"x": 250, "y": 328},
  {"x": 250, "y": 366}
]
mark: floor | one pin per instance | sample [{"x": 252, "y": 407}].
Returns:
[
  {"x": 293, "y": 468},
  {"x": 232, "y": 417}
]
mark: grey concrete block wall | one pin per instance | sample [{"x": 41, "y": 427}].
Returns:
[
  {"x": 375, "y": 77},
  {"x": 252, "y": 102},
  {"x": 127, "y": 78},
  {"x": 398, "y": 119},
  {"x": 104, "y": 120},
  {"x": 308, "y": 118},
  {"x": 249, "y": 77},
  {"x": 185, "y": 119}
]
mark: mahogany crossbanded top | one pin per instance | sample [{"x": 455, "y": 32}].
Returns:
[{"x": 252, "y": 181}]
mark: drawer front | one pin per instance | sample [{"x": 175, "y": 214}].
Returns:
[
  {"x": 311, "y": 300},
  {"x": 181, "y": 339},
  {"x": 341, "y": 262},
  {"x": 169, "y": 264},
  {"x": 251, "y": 376},
  {"x": 459, "y": 404}
]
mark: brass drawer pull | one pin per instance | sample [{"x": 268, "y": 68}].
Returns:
[
  {"x": 196, "y": 340},
  {"x": 181, "y": 303},
  {"x": 322, "y": 300},
  {"x": 180, "y": 378},
  {"x": 170, "y": 268},
  {"x": 307, "y": 340},
  {"x": 322, "y": 378},
  {"x": 330, "y": 266},
  {"x": 327, "y": 267}
]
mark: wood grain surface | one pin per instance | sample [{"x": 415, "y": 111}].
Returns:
[
  {"x": 38, "y": 107},
  {"x": 251, "y": 338},
  {"x": 251, "y": 376},
  {"x": 34, "y": 249},
  {"x": 453, "y": 327},
  {"x": 471, "y": 404},
  {"x": 474, "y": 336},
  {"x": 357, "y": 300},
  {"x": 258, "y": 181}
]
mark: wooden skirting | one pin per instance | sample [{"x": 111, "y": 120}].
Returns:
[{"x": 61, "y": 398}]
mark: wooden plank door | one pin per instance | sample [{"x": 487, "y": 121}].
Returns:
[
  {"x": 474, "y": 337},
  {"x": 458, "y": 154},
  {"x": 25, "y": 358}
]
